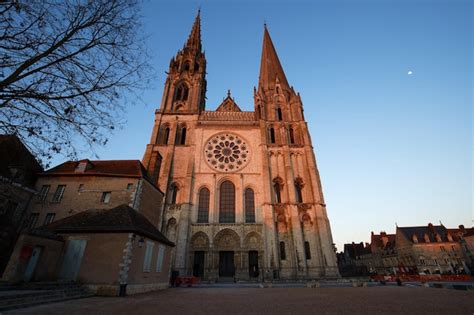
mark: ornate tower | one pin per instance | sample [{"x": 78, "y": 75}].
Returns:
[
  {"x": 168, "y": 157},
  {"x": 185, "y": 87},
  {"x": 295, "y": 207}
]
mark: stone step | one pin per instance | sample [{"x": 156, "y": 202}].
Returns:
[
  {"x": 15, "y": 298},
  {"x": 52, "y": 299}
]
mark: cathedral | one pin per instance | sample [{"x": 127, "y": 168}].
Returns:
[{"x": 243, "y": 194}]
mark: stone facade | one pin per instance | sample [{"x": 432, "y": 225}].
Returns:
[
  {"x": 430, "y": 249},
  {"x": 243, "y": 193}
]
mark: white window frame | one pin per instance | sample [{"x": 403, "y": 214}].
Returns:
[
  {"x": 44, "y": 192},
  {"x": 148, "y": 256},
  {"x": 105, "y": 198},
  {"x": 160, "y": 257},
  {"x": 58, "y": 195}
]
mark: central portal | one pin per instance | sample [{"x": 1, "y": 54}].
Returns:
[{"x": 226, "y": 264}]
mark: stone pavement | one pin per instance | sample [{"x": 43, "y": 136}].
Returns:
[{"x": 233, "y": 300}]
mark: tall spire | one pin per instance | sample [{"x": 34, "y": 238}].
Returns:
[
  {"x": 194, "y": 39},
  {"x": 270, "y": 67}
]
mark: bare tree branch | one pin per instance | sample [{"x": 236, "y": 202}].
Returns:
[{"x": 66, "y": 70}]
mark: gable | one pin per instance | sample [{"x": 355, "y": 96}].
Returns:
[{"x": 228, "y": 105}]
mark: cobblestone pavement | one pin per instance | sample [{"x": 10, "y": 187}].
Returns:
[{"x": 343, "y": 300}]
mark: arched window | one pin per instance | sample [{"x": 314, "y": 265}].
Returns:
[
  {"x": 298, "y": 188},
  {"x": 271, "y": 134},
  {"x": 277, "y": 187},
  {"x": 227, "y": 203},
  {"x": 181, "y": 93},
  {"x": 196, "y": 67},
  {"x": 282, "y": 251},
  {"x": 203, "y": 207},
  {"x": 307, "y": 250},
  {"x": 181, "y": 135},
  {"x": 164, "y": 136},
  {"x": 174, "y": 194},
  {"x": 279, "y": 114},
  {"x": 186, "y": 66},
  {"x": 291, "y": 135},
  {"x": 249, "y": 206}
]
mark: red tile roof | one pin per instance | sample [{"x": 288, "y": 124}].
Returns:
[{"x": 128, "y": 168}]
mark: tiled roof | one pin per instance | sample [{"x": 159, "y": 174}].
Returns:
[
  {"x": 116, "y": 220},
  {"x": 376, "y": 240},
  {"x": 131, "y": 168},
  {"x": 430, "y": 230}
]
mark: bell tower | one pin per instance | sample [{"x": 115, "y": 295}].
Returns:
[
  {"x": 185, "y": 86},
  {"x": 295, "y": 202}
]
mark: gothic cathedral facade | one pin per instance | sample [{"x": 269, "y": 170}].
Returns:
[{"x": 243, "y": 193}]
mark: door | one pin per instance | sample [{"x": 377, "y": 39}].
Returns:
[
  {"x": 226, "y": 264},
  {"x": 198, "y": 267},
  {"x": 32, "y": 263},
  {"x": 73, "y": 259},
  {"x": 253, "y": 263}
]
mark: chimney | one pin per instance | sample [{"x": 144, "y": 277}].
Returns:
[{"x": 461, "y": 227}]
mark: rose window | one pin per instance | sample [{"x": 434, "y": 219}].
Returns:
[{"x": 226, "y": 152}]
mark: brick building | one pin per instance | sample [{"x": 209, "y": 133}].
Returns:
[
  {"x": 96, "y": 222},
  {"x": 243, "y": 192},
  {"x": 430, "y": 249}
]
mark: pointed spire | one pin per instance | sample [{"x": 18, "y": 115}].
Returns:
[
  {"x": 270, "y": 67},
  {"x": 194, "y": 39}
]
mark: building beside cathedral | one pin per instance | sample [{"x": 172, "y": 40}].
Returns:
[{"x": 243, "y": 192}]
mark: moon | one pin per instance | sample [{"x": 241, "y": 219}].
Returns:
[{"x": 410, "y": 72}]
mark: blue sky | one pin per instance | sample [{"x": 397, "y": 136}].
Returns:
[{"x": 391, "y": 147}]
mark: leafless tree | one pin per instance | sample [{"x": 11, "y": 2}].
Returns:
[{"x": 67, "y": 69}]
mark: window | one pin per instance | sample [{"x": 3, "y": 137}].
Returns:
[
  {"x": 277, "y": 188},
  {"x": 129, "y": 186},
  {"x": 453, "y": 248},
  {"x": 279, "y": 114},
  {"x": 186, "y": 66},
  {"x": 183, "y": 137},
  {"x": 49, "y": 218},
  {"x": 174, "y": 194},
  {"x": 307, "y": 250},
  {"x": 442, "y": 248},
  {"x": 249, "y": 206},
  {"x": 81, "y": 187},
  {"x": 272, "y": 135},
  {"x": 105, "y": 197},
  {"x": 182, "y": 92},
  {"x": 291, "y": 135},
  {"x": 148, "y": 256},
  {"x": 298, "y": 189},
  {"x": 164, "y": 136},
  {"x": 44, "y": 192},
  {"x": 159, "y": 258},
  {"x": 203, "y": 207},
  {"x": 33, "y": 220},
  {"x": 227, "y": 203},
  {"x": 282, "y": 251},
  {"x": 58, "y": 195}
]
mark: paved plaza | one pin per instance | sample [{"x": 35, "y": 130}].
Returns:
[{"x": 241, "y": 300}]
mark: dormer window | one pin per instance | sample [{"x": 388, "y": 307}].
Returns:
[
  {"x": 438, "y": 238},
  {"x": 450, "y": 238},
  {"x": 82, "y": 166},
  {"x": 414, "y": 238},
  {"x": 426, "y": 238}
]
